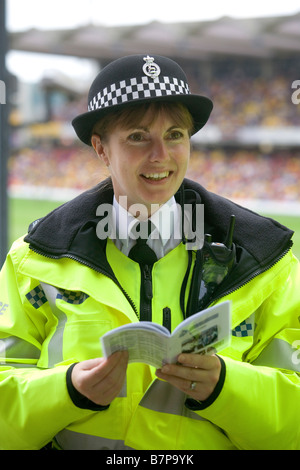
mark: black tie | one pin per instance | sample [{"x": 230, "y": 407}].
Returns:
[{"x": 141, "y": 252}]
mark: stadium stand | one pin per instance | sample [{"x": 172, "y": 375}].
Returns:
[
  {"x": 233, "y": 173},
  {"x": 249, "y": 150}
]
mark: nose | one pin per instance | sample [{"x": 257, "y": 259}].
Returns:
[{"x": 159, "y": 150}]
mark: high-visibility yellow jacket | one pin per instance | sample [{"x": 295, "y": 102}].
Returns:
[{"x": 60, "y": 294}]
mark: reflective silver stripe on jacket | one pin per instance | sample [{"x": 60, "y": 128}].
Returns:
[
  {"x": 164, "y": 398},
  {"x": 70, "y": 440},
  {"x": 278, "y": 354},
  {"x": 161, "y": 397},
  {"x": 55, "y": 347},
  {"x": 14, "y": 347}
]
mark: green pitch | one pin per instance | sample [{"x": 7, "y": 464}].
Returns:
[
  {"x": 294, "y": 224},
  {"x": 23, "y": 211}
]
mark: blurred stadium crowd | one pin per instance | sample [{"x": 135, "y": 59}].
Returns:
[
  {"x": 232, "y": 173},
  {"x": 248, "y": 174},
  {"x": 242, "y": 98}
]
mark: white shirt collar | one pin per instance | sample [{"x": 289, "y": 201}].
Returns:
[{"x": 165, "y": 219}]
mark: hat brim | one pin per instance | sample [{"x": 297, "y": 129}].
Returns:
[{"x": 199, "y": 106}]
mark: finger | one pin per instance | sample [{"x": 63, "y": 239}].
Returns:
[
  {"x": 109, "y": 386},
  {"x": 175, "y": 371},
  {"x": 103, "y": 382},
  {"x": 111, "y": 375},
  {"x": 178, "y": 381},
  {"x": 192, "y": 374},
  {"x": 200, "y": 391},
  {"x": 93, "y": 364},
  {"x": 114, "y": 369},
  {"x": 89, "y": 373},
  {"x": 104, "y": 367},
  {"x": 90, "y": 364},
  {"x": 199, "y": 361}
]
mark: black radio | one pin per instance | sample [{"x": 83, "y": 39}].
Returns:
[{"x": 213, "y": 263}]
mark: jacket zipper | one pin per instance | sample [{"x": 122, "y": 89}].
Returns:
[
  {"x": 167, "y": 318},
  {"x": 146, "y": 293},
  {"x": 101, "y": 271}
]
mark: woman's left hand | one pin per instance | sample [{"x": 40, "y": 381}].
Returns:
[{"x": 194, "y": 374}]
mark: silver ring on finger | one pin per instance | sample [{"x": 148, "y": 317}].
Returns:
[{"x": 193, "y": 385}]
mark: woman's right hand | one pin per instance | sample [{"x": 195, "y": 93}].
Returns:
[{"x": 101, "y": 380}]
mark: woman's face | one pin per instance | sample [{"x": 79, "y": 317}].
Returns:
[{"x": 147, "y": 163}]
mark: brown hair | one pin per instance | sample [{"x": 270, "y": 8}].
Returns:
[{"x": 131, "y": 116}]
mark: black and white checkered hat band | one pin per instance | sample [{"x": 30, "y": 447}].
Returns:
[{"x": 135, "y": 89}]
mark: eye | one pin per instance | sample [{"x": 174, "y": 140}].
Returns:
[
  {"x": 137, "y": 137},
  {"x": 175, "y": 134}
]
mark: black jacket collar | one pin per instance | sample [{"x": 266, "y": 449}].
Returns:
[{"x": 70, "y": 230}]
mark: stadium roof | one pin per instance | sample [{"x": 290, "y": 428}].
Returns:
[{"x": 254, "y": 37}]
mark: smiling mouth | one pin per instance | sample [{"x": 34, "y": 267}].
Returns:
[{"x": 156, "y": 176}]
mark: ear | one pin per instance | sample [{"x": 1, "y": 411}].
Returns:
[{"x": 99, "y": 148}]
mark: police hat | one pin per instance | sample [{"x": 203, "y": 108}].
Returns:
[{"x": 137, "y": 79}]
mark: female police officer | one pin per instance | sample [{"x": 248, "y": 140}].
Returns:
[{"x": 65, "y": 285}]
